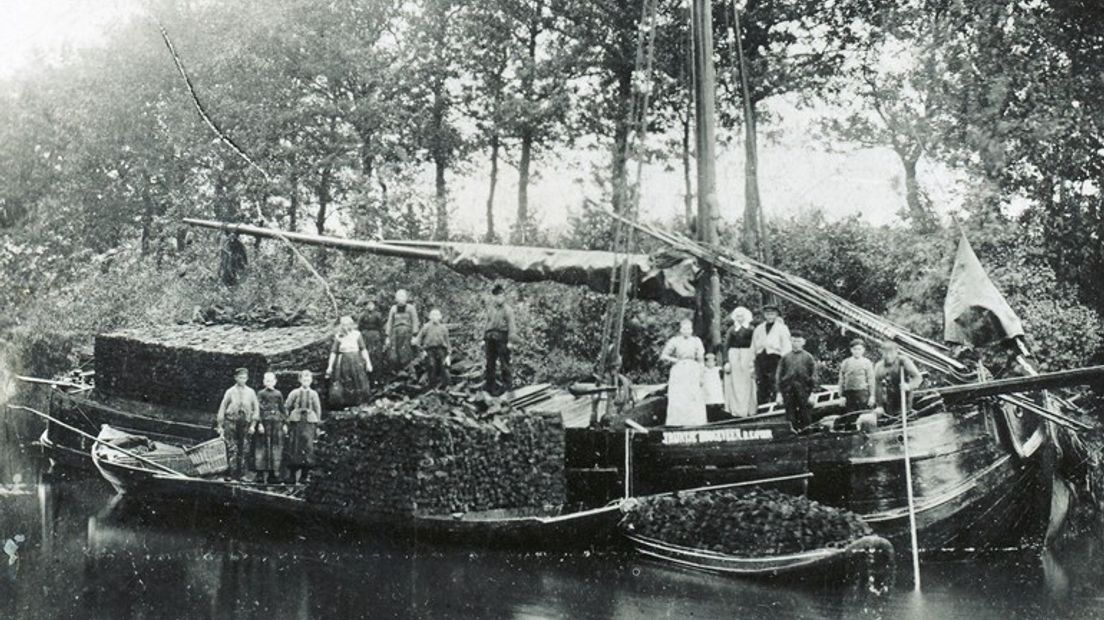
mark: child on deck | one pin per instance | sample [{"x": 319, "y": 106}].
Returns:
[
  {"x": 434, "y": 340},
  {"x": 714, "y": 390},
  {"x": 305, "y": 413},
  {"x": 268, "y": 431},
  {"x": 856, "y": 379}
]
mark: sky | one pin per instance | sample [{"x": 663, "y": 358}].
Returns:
[{"x": 797, "y": 172}]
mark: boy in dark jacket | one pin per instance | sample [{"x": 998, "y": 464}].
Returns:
[{"x": 795, "y": 381}]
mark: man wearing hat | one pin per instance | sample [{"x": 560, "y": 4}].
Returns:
[
  {"x": 769, "y": 342},
  {"x": 498, "y": 334},
  {"x": 856, "y": 378},
  {"x": 238, "y": 409}
]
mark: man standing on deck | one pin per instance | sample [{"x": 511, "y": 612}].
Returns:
[
  {"x": 887, "y": 378},
  {"x": 769, "y": 342},
  {"x": 795, "y": 380},
  {"x": 402, "y": 324},
  {"x": 498, "y": 333},
  {"x": 238, "y": 409}
]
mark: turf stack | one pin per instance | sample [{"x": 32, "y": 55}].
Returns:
[
  {"x": 192, "y": 365},
  {"x": 434, "y": 456},
  {"x": 744, "y": 523}
]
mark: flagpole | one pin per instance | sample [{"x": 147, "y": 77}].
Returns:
[{"x": 908, "y": 480}]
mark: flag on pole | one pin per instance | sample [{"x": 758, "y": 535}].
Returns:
[{"x": 975, "y": 312}]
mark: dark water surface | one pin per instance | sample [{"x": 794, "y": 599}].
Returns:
[{"x": 88, "y": 556}]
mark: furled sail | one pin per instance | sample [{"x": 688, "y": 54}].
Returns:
[{"x": 666, "y": 278}]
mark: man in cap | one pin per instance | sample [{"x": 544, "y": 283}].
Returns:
[
  {"x": 887, "y": 378},
  {"x": 498, "y": 334},
  {"x": 238, "y": 409},
  {"x": 769, "y": 342},
  {"x": 795, "y": 381}
]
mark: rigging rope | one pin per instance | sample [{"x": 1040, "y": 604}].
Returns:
[
  {"x": 228, "y": 141},
  {"x": 629, "y": 195}
]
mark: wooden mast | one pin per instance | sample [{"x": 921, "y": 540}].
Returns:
[{"x": 707, "y": 319}]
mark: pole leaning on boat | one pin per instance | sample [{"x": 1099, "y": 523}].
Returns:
[{"x": 903, "y": 385}]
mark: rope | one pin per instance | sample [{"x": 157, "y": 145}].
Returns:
[
  {"x": 637, "y": 120},
  {"x": 228, "y": 141}
]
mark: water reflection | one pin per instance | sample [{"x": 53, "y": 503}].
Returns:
[{"x": 86, "y": 555}]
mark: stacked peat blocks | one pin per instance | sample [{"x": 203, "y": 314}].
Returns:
[
  {"x": 435, "y": 455},
  {"x": 192, "y": 365},
  {"x": 740, "y": 522}
]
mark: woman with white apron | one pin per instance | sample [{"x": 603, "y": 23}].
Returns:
[
  {"x": 685, "y": 397},
  {"x": 740, "y": 399}
]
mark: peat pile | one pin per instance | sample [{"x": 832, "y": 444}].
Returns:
[
  {"x": 747, "y": 523},
  {"x": 258, "y": 316},
  {"x": 437, "y": 454},
  {"x": 192, "y": 365}
]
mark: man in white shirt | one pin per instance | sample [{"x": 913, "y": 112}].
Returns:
[{"x": 769, "y": 342}]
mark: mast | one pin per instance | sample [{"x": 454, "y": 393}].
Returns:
[{"x": 707, "y": 319}]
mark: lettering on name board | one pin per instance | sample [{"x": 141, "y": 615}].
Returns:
[{"x": 716, "y": 436}]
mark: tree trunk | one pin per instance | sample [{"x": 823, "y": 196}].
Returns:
[
  {"x": 440, "y": 155},
  {"x": 687, "y": 177},
  {"x": 918, "y": 212},
  {"x": 323, "y": 200},
  {"x": 753, "y": 242},
  {"x": 490, "y": 237},
  {"x": 524, "y": 160},
  {"x": 527, "y": 130},
  {"x": 620, "y": 140}
]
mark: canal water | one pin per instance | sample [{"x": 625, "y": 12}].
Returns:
[{"x": 71, "y": 550}]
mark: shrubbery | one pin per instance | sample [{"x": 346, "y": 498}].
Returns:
[{"x": 895, "y": 272}]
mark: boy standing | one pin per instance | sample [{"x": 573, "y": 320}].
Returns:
[
  {"x": 235, "y": 415},
  {"x": 795, "y": 381},
  {"x": 434, "y": 339},
  {"x": 770, "y": 340},
  {"x": 856, "y": 379}
]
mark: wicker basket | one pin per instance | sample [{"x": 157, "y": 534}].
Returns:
[{"x": 209, "y": 457}]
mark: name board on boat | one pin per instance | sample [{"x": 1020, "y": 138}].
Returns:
[{"x": 720, "y": 435}]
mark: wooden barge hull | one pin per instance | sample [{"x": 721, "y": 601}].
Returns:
[
  {"x": 528, "y": 529},
  {"x": 982, "y": 477}
]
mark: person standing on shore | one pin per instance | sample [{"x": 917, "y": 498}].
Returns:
[
  {"x": 434, "y": 340},
  {"x": 498, "y": 334},
  {"x": 856, "y": 379},
  {"x": 796, "y": 380},
  {"x": 402, "y": 324},
  {"x": 268, "y": 431},
  {"x": 770, "y": 341},
  {"x": 741, "y": 398},
  {"x": 237, "y": 411},
  {"x": 304, "y": 415}
]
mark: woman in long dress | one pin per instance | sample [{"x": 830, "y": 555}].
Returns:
[
  {"x": 685, "y": 397},
  {"x": 349, "y": 366},
  {"x": 740, "y": 398}
]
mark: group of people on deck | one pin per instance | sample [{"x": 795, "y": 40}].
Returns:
[
  {"x": 272, "y": 438},
  {"x": 767, "y": 363},
  {"x": 267, "y": 436}
]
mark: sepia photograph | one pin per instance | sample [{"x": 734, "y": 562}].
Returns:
[{"x": 543, "y": 309}]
